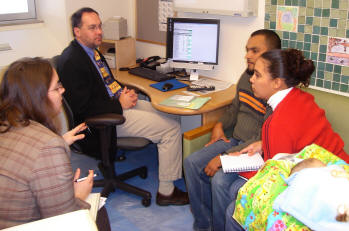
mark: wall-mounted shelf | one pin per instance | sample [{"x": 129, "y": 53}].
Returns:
[{"x": 239, "y": 8}]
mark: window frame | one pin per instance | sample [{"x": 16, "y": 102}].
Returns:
[{"x": 30, "y": 15}]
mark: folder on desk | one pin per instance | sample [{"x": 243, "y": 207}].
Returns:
[{"x": 176, "y": 85}]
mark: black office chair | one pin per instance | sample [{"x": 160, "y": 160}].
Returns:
[
  {"x": 106, "y": 126},
  {"x": 109, "y": 142}
]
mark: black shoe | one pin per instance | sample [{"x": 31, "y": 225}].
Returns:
[{"x": 177, "y": 197}]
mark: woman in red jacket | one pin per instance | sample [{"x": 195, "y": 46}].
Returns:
[{"x": 297, "y": 121}]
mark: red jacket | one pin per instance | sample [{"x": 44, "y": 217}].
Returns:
[{"x": 296, "y": 122}]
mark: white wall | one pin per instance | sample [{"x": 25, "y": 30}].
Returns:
[
  {"x": 55, "y": 18},
  {"x": 51, "y": 37},
  {"x": 29, "y": 40},
  {"x": 235, "y": 32}
]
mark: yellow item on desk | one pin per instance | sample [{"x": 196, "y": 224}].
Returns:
[{"x": 195, "y": 103}]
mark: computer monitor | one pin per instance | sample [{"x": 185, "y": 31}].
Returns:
[{"x": 193, "y": 44}]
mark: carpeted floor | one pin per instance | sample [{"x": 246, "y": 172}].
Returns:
[{"x": 126, "y": 213}]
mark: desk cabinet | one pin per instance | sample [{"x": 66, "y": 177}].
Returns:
[{"x": 125, "y": 51}]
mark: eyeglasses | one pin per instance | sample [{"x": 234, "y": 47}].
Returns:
[
  {"x": 59, "y": 87},
  {"x": 95, "y": 27}
]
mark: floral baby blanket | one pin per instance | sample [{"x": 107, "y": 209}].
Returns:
[{"x": 254, "y": 211}]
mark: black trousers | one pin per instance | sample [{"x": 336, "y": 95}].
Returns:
[{"x": 102, "y": 220}]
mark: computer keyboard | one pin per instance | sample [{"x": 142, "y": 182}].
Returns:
[{"x": 149, "y": 74}]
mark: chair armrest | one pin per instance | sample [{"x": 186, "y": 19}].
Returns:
[
  {"x": 196, "y": 138},
  {"x": 108, "y": 119},
  {"x": 199, "y": 131}
]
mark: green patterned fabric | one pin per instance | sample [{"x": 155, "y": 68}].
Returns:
[{"x": 253, "y": 208}]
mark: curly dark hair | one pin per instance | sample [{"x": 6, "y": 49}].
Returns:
[{"x": 290, "y": 65}]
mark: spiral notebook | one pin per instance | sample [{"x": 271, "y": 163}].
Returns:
[{"x": 241, "y": 163}]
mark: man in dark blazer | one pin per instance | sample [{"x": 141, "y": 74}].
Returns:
[{"x": 91, "y": 90}]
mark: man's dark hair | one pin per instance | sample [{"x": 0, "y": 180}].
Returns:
[
  {"x": 272, "y": 39},
  {"x": 76, "y": 17}
]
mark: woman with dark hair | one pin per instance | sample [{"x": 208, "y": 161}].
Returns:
[
  {"x": 36, "y": 178},
  {"x": 297, "y": 121}
]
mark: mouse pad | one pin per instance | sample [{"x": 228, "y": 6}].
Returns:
[{"x": 176, "y": 85}]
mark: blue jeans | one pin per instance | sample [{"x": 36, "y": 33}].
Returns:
[
  {"x": 209, "y": 197},
  {"x": 230, "y": 223}
]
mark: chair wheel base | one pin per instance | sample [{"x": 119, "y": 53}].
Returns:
[
  {"x": 120, "y": 158},
  {"x": 146, "y": 202},
  {"x": 143, "y": 173},
  {"x": 112, "y": 181}
]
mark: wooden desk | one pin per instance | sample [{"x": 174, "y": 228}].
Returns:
[{"x": 211, "y": 111}]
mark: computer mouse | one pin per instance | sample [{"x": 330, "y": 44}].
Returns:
[{"x": 167, "y": 86}]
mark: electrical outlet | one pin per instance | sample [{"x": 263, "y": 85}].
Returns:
[{"x": 5, "y": 47}]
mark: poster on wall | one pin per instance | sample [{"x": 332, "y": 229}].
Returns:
[
  {"x": 338, "y": 51},
  {"x": 287, "y": 18},
  {"x": 165, "y": 11}
]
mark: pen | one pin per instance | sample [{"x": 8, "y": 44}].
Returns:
[
  {"x": 84, "y": 178},
  {"x": 88, "y": 129}
]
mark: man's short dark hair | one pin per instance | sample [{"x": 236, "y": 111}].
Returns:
[
  {"x": 271, "y": 38},
  {"x": 76, "y": 17}
]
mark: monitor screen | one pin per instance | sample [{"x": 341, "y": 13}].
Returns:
[{"x": 193, "y": 40}]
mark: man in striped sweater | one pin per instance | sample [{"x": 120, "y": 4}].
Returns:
[{"x": 210, "y": 190}]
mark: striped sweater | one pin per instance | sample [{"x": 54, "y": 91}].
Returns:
[{"x": 245, "y": 116}]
